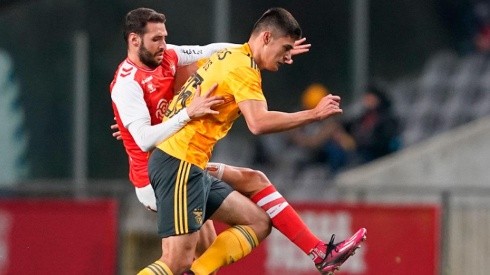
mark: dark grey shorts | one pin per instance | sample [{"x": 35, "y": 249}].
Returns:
[{"x": 186, "y": 195}]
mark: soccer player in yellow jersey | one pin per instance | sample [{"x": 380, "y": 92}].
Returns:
[{"x": 187, "y": 195}]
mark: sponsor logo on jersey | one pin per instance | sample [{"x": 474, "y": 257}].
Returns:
[
  {"x": 146, "y": 80},
  {"x": 151, "y": 88}
]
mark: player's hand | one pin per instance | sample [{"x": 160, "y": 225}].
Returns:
[
  {"x": 299, "y": 48},
  {"x": 116, "y": 133},
  {"x": 202, "y": 105},
  {"x": 327, "y": 107}
]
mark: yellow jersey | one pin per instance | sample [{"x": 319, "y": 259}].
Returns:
[{"x": 238, "y": 79}]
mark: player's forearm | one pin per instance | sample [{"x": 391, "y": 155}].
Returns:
[
  {"x": 148, "y": 136},
  {"x": 188, "y": 54},
  {"x": 273, "y": 122}
]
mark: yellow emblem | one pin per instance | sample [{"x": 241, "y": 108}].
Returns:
[{"x": 198, "y": 215}]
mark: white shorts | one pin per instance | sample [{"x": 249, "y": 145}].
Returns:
[{"x": 146, "y": 196}]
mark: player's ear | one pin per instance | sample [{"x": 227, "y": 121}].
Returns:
[
  {"x": 134, "y": 40},
  {"x": 266, "y": 36}
]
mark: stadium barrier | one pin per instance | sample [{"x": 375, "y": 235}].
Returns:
[
  {"x": 58, "y": 236},
  {"x": 462, "y": 215}
]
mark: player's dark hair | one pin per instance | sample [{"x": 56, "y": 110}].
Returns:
[
  {"x": 280, "y": 20},
  {"x": 136, "y": 20}
]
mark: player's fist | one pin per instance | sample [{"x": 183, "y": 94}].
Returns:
[{"x": 328, "y": 106}]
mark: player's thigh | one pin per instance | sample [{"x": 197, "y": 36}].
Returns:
[
  {"x": 229, "y": 206},
  {"x": 236, "y": 209},
  {"x": 245, "y": 180},
  {"x": 218, "y": 192}
]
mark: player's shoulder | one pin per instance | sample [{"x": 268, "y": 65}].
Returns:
[
  {"x": 171, "y": 54},
  {"x": 129, "y": 72},
  {"x": 169, "y": 63},
  {"x": 128, "y": 75},
  {"x": 237, "y": 57},
  {"x": 238, "y": 52},
  {"x": 126, "y": 70}
]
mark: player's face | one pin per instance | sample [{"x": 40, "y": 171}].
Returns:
[
  {"x": 277, "y": 51},
  {"x": 153, "y": 45}
]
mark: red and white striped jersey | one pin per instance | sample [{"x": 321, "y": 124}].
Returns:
[{"x": 144, "y": 92}]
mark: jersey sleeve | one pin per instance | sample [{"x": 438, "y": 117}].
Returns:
[
  {"x": 129, "y": 101},
  {"x": 148, "y": 136},
  {"x": 188, "y": 54},
  {"x": 245, "y": 83}
]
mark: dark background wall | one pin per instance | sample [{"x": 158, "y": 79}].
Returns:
[{"x": 39, "y": 37}]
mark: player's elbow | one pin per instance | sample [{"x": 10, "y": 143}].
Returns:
[
  {"x": 256, "y": 128},
  {"x": 143, "y": 144},
  {"x": 146, "y": 147},
  {"x": 258, "y": 124}
]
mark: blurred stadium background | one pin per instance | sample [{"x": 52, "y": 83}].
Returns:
[{"x": 62, "y": 175}]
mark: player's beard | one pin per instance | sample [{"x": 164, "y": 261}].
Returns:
[{"x": 147, "y": 57}]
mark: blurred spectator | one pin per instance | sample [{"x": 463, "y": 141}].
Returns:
[
  {"x": 376, "y": 129},
  {"x": 322, "y": 142},
  {"x": 335, "y": 145},
  {"x": 468, "y": 23},
  {"x": 481, "y": 10}
]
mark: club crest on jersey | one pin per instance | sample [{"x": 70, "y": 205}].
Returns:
[
  {"x": 161, "y": 108},
  {"x": 198, "y": 215},
  {"x": 173, "y": 69}
]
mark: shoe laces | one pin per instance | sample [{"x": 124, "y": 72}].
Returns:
[{"x": 331, "y": 246}]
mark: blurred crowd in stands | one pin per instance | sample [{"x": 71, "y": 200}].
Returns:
[
  {"x": 337, "y": 143},
  {"x": 469, "y": 23},
  {"x": 371, "y": 128}
]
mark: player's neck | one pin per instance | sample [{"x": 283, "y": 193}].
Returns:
[
  {"x": 254, "y": 45},
  {"x": 133, "y": 57}
]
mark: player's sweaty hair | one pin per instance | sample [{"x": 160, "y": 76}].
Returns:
[
  {"x": 136, "y": 20},
  {"x": 279, "y": 20}
]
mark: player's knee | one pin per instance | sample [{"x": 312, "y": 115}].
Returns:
[
  {"x": 256, "y": 176},
  {"x": 186, "y": 264},
  {"x": 183, "y": 265},
  {"x": 207, "y": 235},
  {"x": 259, "y": 221},
  {"x": 182, "y": 261},
  {"x": 262, "y": 225}
]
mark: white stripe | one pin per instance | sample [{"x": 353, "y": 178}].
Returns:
[
  {"x": 273, "y": 211},
  {"x": 265, "y": 200}
]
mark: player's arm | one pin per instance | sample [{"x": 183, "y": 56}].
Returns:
[
  {"x": 182, "y": 74},
  {"x": 135, "y": 116},
  {"x": 188, "y": 54},
  {"x": 244, "y": 83},
  {"x": 262, "y": 121}
]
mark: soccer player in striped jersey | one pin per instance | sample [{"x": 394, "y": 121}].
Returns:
[
  {"x": 141, "y": 90},
  {"x": 176, "y": 168}
]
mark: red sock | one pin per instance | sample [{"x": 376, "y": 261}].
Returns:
[{"x": 286, "y": 219}]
